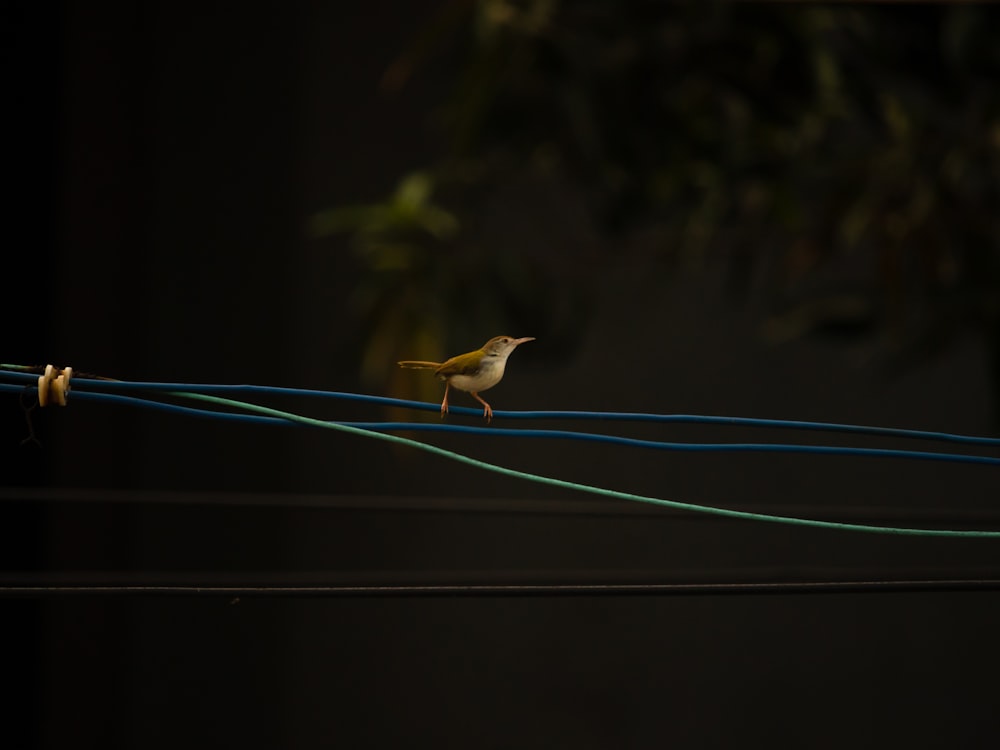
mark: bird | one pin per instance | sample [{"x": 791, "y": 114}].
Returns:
[{"x": 474, "y": 371}]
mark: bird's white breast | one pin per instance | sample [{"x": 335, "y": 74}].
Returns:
[{"x": 490, "y": 373}]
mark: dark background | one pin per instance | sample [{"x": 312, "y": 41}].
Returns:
[{"x": 166, "y": 166}]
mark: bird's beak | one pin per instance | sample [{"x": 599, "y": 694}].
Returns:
[{"x": 517, "y": 342}]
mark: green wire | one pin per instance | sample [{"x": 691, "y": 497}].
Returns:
[{"x": 618, "y": 495}]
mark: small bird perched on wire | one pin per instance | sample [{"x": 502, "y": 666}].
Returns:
[{"x": 473, "y": 372}]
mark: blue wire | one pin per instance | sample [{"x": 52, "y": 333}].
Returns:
[
  {"x": 81, "y": 384},
  {"x": 243, "y": 406},
  {"x": 541, "y": 433}
]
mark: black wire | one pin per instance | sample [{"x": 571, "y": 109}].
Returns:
[
  {"x": 768, "y": 588},
  {"x": 477, "y": 506}
]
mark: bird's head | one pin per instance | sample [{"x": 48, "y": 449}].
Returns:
[{"x": 502, "y": 346}]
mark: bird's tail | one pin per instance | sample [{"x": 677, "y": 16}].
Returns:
[{"x": 418, "y": 364}]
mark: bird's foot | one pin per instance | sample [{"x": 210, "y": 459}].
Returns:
[{"x": 487, "y": 411}]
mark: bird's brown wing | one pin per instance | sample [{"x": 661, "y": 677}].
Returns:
[{"x": 463, "y": 364}]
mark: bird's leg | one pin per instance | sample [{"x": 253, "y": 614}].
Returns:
[
  {"x": 487, "y": 412},
  {"x": 444, "y": 403}
]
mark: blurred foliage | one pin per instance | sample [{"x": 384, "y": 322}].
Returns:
[{"x": 845, "y": 158}]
